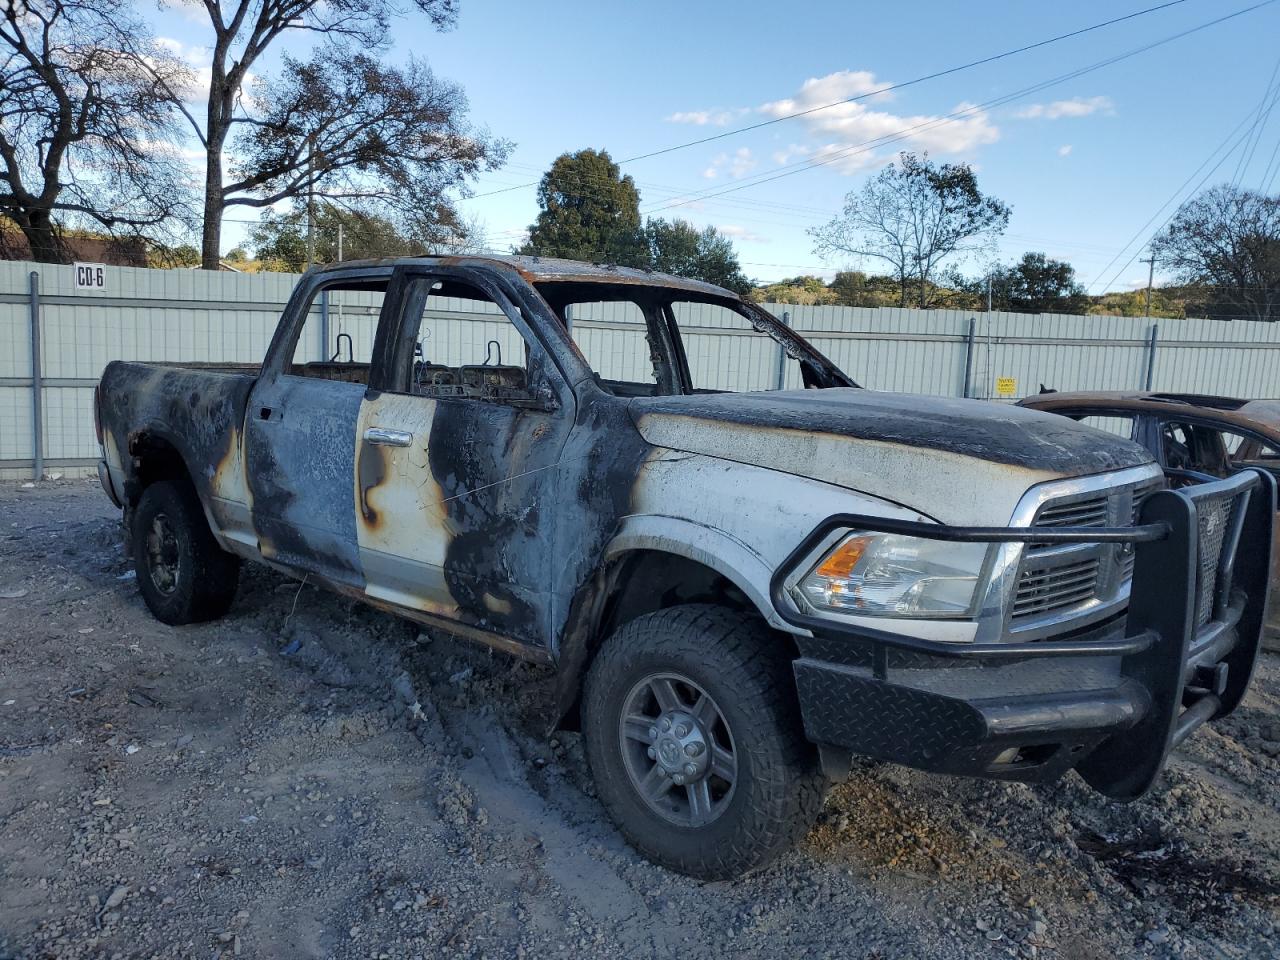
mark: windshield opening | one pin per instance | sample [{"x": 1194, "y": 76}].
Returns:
[{"x": 658, "y": 341}]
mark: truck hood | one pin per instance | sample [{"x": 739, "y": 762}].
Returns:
[{"x": 962, "y": 462}]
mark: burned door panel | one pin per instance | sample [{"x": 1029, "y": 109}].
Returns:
[
  {"x": 401, "y": 520},
  {"x": 456, "y": 521},
  {"x": 300, "y": 451}
]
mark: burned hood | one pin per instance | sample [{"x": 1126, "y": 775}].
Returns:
[{"x": 957, "y": 461}]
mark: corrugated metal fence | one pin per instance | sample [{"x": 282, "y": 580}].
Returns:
[{"x": 177, "y": 315}]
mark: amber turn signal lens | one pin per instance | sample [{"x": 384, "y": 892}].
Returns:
[{"x": 841, "y": 561}]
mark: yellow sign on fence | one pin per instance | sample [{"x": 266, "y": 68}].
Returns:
[{"x": 1006, "y": 386}]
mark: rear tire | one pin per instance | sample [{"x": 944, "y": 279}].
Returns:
[
  {"x": 749, "y": 784},
  {"x": 183, "y": 575}
]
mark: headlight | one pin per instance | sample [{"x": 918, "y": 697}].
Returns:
[{"x": 888, "y": 575}]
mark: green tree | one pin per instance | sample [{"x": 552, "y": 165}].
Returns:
[
  {"x": 1038, "y": 284},
  {"x": 680, "y": 248},
  {"x": 168, "y": 258},
  {"x": 914, "y": 215},
  {"x": 853, "y": 288},
  {"x": 802, "y": 290},
  {"x": 1226, "y": 243},
  {"x": 280, "y": 240},
  {"x": 589, "y": 211}
]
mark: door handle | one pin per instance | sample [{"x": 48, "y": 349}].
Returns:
[{"x": 388, "y": 438}]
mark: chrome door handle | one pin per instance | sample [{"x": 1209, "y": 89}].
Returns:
[{"x": 388, "y": 438}]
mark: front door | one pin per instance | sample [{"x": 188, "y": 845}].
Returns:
[{"x": 456, "y": 459}]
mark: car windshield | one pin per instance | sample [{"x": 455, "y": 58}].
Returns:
[{"x": 655, "y": 341}]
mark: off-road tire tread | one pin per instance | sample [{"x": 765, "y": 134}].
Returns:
[
  {"x": 752, "y": 660},
  {"x": 208, "y": 586}
]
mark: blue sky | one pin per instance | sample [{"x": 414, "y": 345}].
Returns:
[{"x": 1085, "y": 164}]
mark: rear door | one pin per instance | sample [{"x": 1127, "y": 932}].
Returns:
[
  {"x": 300, "y": 428},
  {"x": 458, "y": 446}
]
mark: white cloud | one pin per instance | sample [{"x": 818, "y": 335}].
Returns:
[
  {"x": 849, "y": 137},
  {"x": 191, "y": 12},
  {"x": 1075, "y": 107},
  {"x": 740, "y": 233},
  {"x": 703, "y": 118},
  {"x": 736, "y": 165},
  {"x": 847, "y": 127},
  {"x": 198, "y": 61},
  {"x": 1064, "y": 150}
]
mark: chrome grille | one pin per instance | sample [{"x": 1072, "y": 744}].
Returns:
[
  {"x": 1056, "y": 579},
  {"x": 1085, "y": 513},
  {"x": 1047, "y": 589}
]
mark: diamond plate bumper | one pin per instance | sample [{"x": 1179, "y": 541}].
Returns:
[{"x": 1111, "y": 703}]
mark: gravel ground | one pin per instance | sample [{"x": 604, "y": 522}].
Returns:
[{"x": 309, "y": 778}]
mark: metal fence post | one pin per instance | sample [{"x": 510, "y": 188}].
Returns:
[
  {"x": 37, "y": 382},
  {"x": 782, "y": 354},
  {"x": 968, "y": 356},
  {"x": 1151, "y": 355},
  {"x": 324, "y": 325}
]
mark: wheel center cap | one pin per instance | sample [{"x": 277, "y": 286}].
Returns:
[
  {"x": 669, "y": 751},
  {"x": 680, "y": 747}
]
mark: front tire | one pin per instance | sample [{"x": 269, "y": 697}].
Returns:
[
  {"x": 695, "y": 742},
  {"x": 183, "y": 575}
]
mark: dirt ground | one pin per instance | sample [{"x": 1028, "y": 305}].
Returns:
[{"x": 309, "y": 778}]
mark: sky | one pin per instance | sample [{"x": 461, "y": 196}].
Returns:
[{"x": 1092, "y": 165}]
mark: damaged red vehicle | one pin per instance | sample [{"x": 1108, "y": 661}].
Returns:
[{"x": 738, "y": 590}]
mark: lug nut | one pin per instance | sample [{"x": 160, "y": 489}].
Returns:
[
  {"x": 690, "y": 769},
  {"x": 652, "y": 753},
  {"x": 653, "y": 733},
  {"x": 693, "y": 749},
  {"x": 678, "y": 780},
  {"x": 666, "y": 723},
  {"x": 682, "y": 731}
]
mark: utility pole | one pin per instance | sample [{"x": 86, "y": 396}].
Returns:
[
  {"x": 1151, "y": 273},
  {"x": 988, "y": 292}
]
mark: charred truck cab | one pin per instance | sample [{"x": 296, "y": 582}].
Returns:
[{"x": 739, "y": 590}]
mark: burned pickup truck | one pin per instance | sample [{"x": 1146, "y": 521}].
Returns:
[{"x": 740, "y": 587}]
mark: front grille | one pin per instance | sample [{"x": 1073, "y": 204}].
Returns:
[
  {"x": 1045, "y": 590},
  {"x": 1085, "y": 513},
  {"x": 1056, "y": 579}
]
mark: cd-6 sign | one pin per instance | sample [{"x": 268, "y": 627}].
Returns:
[{"x": 91, "y": 276}]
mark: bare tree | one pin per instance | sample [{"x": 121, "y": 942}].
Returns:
[
  {"x": 243, "y": 30},
  {"x": 86, "y": 124},
  {"x": 914, "y": 215},
  {"x": 364, "y": 136},
  {"x": 1225, "y": 243}
]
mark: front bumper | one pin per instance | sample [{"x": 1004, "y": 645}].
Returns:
[{"x": 1110, "y": 703}]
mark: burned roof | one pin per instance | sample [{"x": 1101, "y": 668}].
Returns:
[
  {"x": 553, "y": 270},
  {"x": 1259, "y": 415}
]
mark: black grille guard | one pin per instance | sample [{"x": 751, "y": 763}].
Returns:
[{"x": 1192, "y": 665}]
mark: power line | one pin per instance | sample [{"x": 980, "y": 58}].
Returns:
[
  {"x": 1259, "y": 125},
  {"x": 1143, "y": 229},
  {"x": 886, "y": 89},
  {"x": 802, "y": 166}
]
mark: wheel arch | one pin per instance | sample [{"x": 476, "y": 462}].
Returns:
[
  {"x": 154, "y": 454},
  {"x": 652, "y": 563}
]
